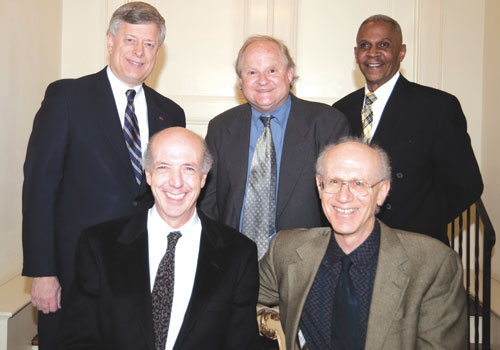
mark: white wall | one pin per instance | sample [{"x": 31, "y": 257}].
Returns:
[{"x": 29, "y": 60}]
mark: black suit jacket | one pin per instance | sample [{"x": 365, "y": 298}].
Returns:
[
  {"x": 111, "y": 299},
  {"x": 77, "y": 171},
  {"x": 435, "y": 174},
  {"x": 310, "y": 127}
]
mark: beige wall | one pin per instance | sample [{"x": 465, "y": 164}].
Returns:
[
  {"x": 446, "y": 49},
  {"x": 29, "y": 60},
  {"x": 490, "y": 165}
]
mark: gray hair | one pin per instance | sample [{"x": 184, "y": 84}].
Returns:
[
  {"x": 383, "y": 18},
  {"x": 207, "y": 160},
  {"x": 285, "y": 53},
  {"x": 384, "y": 172},
  {"x": 137, "y": 13}
]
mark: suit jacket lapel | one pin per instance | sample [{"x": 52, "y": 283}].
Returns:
[
  {"x": 211, "y": 262},
  {"x": 237, "y": 155},
  {"x": 398, "y": 102},
  {"x": 301, "y": 274},
  {"x": 295, "y": 151},
  {"x": 135, "y": 239},
  {"x": 106, "y": 114},
  {"x": 389, "y": 288},
  {"x": 157, "y": 118}
]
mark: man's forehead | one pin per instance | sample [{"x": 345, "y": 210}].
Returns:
[{"x": 354, "y": 158}]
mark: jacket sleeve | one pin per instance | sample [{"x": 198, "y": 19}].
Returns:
[{"x": 43, "y": 172}]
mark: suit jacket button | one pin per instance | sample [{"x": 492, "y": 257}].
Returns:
[
  {"x": 388, "y": 206},
  {"x": 399, "y": 175},
  {"x": 135, "y": 203}
]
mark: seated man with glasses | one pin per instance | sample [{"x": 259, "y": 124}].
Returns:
[{"x": 360, "y": 284}]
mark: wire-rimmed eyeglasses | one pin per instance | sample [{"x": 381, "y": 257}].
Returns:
[{"x": 358, "y": 188}]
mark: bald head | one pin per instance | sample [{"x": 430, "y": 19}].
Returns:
[{"x": 178, "y": 135}]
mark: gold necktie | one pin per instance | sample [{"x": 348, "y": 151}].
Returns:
[{"x": 367, "y": 115}]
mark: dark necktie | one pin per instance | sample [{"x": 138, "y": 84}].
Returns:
[
  {"x": 163, "y": 292},
  {"x": 260, "y": 201},
  {"x": 367, "y": 116},
  {"x": 133, "y": 136},
  {"x": 346, "y": 330}
]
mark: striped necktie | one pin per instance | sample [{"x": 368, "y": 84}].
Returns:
[
  {"x": 133, "y": 136},
  {"x": 367, "y": 116}
]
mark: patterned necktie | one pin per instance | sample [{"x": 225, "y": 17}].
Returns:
[
  {"x": 367, "y": 116},
  {"x": 133, "y": 137},
  {"x": 163, "y": 292},
  {"x": 260, "y": 202},
  {"x": 346, "y": 330}
]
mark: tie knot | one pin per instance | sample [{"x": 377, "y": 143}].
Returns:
[
  {"x": 370, "y": 98},
  {"x": 173, "y": 237},
  {"x": 266, "y": 120},
  {"x": 130, "y": 95},
  {"x": 346, "y": 263}
]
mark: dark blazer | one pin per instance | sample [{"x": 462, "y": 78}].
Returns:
[
  {"x": 435, "y": 174},
  {"x": 418, "y": 299},
  {"x": 310, "y": 127},
  {"x": 77, "y": 171},
  {"x": 111, "y": 299}
]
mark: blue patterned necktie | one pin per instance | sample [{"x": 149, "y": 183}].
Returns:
[
  {"x": 162, "y": 295},
  {"x": 346, "y": 330},
  {"x": 259, "y": 211},
  {"x": 133, "y": 137}
]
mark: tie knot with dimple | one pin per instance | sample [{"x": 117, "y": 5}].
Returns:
[
  {"x": 266, "y": 120},
  {"x": 370, "y": 98},
  {"x": 130, "y": 95}
]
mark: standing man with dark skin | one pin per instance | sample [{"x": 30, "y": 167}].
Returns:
[
  {"x": 424, "y": 131},
  {"x": 299, "y": 130},
  {"x": 79, "y": 169}
]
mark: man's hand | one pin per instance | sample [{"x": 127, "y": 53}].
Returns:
[{"x": 46, "y": 294}]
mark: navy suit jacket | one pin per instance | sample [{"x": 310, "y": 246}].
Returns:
[
  {"x": 111, "y": 304},
  {"x": 77, "y": 171},
  {"x": 310, "y": 127},
  {"x": 435, "y": 174}
]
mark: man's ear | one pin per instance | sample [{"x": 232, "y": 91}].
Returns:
[
  {"x": 148, "y": 177},
  {"x": 383, "y": 191}
]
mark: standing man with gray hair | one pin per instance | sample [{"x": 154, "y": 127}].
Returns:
[
  {"x": 83, "y": 163},
  {"x": 424, "y": 131},
  {"x": 264, "y": 151}
]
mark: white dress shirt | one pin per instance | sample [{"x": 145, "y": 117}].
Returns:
[
  {"x": 141, "y": 109},
  {"x": 186, "y": 261},
  {"x": 383, "y": 93}
]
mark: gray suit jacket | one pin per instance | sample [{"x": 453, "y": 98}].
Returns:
[
  {"x": 310, "y": 127},
  {"x": 418, "y": 299}
]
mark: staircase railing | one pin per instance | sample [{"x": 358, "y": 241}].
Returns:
[{"x": 476, "y": 226}]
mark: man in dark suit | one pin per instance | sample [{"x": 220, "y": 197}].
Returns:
[
  {"x": 78, "y": 170},
  {"x": 212, "y": 304},
  {"x": 360, "y": 284},
  {"x": 424, "y": 131},
  {"x": 299, "y": 130}
]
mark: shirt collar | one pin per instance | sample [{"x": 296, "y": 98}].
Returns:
[
  {"x": 363, "y": 254},
  {"x": 384, "y": 91},
  {"x": 119, "y": 86},
  {"x": 280, "y": 114},
  {"x": 157, "y": 221}
]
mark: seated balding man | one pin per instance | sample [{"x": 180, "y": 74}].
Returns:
[
  {"x": 360, "y": 284},
  {"x": 167, "y": 277}
]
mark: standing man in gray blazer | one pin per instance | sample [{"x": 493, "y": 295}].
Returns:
[
  {"x": 359, "y": 284},
  {"x": 300, "y": 129}
]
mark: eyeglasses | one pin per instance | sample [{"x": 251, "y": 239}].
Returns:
[{"x": 358, "y": 188}]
